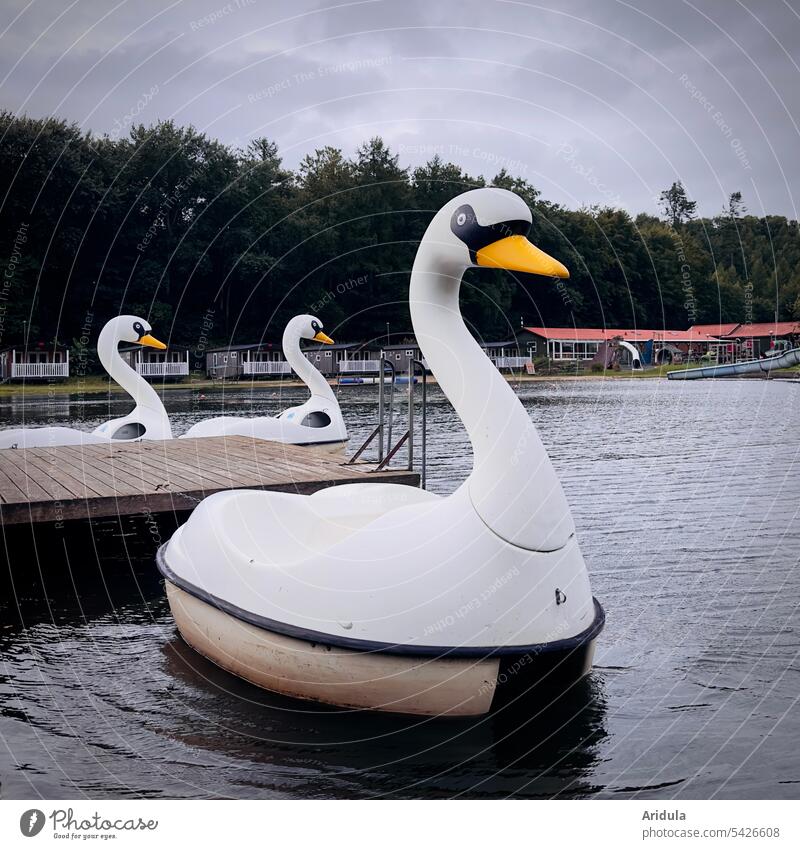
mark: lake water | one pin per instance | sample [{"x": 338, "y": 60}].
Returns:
[{"x": 686, "y": 498}]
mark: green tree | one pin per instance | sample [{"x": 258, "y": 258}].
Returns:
[{"x": 676, "y": 205}]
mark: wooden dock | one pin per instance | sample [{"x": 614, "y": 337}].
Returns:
[{"x": 61, "y": 483}]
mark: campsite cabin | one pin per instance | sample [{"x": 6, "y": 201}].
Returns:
[
  {"x": 150, "y": 363},
  {"x": 358, "y": 359},
  {"x": 511, "y": 355},
  {"x": 42, "y": 362},
  {"x": 366, "y": 359},
  {"x": 325, "y": 358},
  {"x": 563, "y": 343},
  {"x": 583, "y": 344},
  {"x": 751, "y": 340},
  {"x": 231, "y": 362},
  {"x": 764, "y": 339}
]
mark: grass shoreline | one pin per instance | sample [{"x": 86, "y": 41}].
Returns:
[{"x": 99, "y": 385}]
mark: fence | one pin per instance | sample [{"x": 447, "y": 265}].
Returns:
[
  {"x": 40, "y": 370},
  {"x": 359, "y": 366},
  {"x": 267, "y": 367},
  {"x": 511, "y": 362},
  {"x": 162, "y": 369}
]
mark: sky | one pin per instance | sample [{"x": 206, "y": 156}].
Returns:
[{"x": 599, "y": 102}]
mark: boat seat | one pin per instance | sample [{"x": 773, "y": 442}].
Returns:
[{"x": 279, "y": 528}]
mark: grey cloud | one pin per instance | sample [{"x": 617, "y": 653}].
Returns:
[{"x": 594, "y": 102}]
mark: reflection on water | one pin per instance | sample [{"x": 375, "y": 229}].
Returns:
[{"x": 685, "y": 497}]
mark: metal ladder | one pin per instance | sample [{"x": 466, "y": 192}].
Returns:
[{"x": 382, "y": 430}]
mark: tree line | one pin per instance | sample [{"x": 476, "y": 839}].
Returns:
[{"x": 215, "y": 244}]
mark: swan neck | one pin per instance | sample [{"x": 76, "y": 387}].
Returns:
[
  {"x": 134, "y": 384},
  {"x": 303, "y": 368},
  {"x": 513, "y": 485}
]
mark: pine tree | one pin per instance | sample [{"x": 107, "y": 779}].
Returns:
[{"x": 676, "y": 205}]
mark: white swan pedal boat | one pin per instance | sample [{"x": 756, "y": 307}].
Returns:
[
  {"x": 318, "y": 421},
  {"x": 147, "y": 420},
  {"x": 387, "y": 597}
]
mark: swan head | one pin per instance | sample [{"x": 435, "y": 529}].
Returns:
[
  {"x": 489, "y": 228},
  {"x": 137, "y": 331},
  {"x": 307, "y": 327}
]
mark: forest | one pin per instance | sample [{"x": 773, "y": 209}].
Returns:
[{"x": 217, "y": 245}]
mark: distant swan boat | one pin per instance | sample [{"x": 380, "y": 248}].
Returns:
[
  {"x": 316, "y": 422},
  {"x": 147, "y": 420}
]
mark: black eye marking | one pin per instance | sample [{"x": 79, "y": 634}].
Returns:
[
  {"x": 464, "y": 224},
  {"x": 315, "y": 326},
  {"x": 137, "y": 328}
]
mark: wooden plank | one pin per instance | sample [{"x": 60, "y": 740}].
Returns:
[
  {"x": 16, "y": 469},
  {"x": 134, "y": 473},
  {"x": 105, "y": 480},
  {"x": 9, "y": 491},
  {"x": 150, "y": 474},
  {"x": 192, "y": 465},
  {"x": 310, "y": 464},
  {"x": 55, "y": 467},
  {"x": 87, "y": 470}
]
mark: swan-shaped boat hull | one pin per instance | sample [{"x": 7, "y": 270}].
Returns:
[
  {"x": 148, "y": 419},
  {"x": 46, "y": 437},
  {"x": 389, "y": 597},
  {"x": 331, "y": 437},
  {"x": 265, "y": 588},
  {"x": 374, "y": 676},
  {"x": 318, "y": 421}
]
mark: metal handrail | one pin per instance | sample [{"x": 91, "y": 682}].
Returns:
[
  {"x": 385, "y": 457},
  {"x": 385, "y": 462},
  {"x": 379, "y": 430},
  {"x": 364, "y": 446},
  {"x": 424, "y": 445},
  {"x": 391, "y": 402}
]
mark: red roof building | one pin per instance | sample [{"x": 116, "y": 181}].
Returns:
[
  {"x": 716, "y": 329},
  {"x": 582, "y": 343},
  {"x": 765, "y": 328},
  {"x": 753, "y": 330},
  {"x": 597, "y": 334}
]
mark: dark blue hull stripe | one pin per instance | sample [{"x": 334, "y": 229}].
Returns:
[{"x": 322, "y": 638}]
